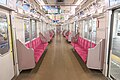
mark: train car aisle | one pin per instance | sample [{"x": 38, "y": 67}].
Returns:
[{"x": 60, "y": 63}]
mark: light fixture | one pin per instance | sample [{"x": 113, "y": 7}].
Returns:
[
  {"x": 41, "y": 2},
  {"x": 78, "y": 2}
]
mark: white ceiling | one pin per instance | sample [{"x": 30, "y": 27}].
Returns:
[{"x": 67, "y": 4}]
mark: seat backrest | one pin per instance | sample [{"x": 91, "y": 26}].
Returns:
[
  {"x": 36, "y": 42},
  {"x": 82, "y": 44},
  {"x": 79, "y": 40},
  {"x": 33, "y": 44},
  {"x": 93, "y": 45},
  {"x": 85, "y": 44},
  {"x": 28, "y": 45},
  {"x": 89, "y": 44}
]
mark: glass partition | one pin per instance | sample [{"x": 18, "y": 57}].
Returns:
[
  {"x": 27, "y": 30},
  {"x": 94, "y": 30},
  {"x": 85, "y": 30},
  {"x": 34, "y": 31}
]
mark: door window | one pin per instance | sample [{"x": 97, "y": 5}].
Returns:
[
  {"x": 4, "y": 38},
  {"x": 115, "y": 49}
]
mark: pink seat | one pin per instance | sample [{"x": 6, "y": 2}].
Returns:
[
  {"x": 82, "y": 46},
  {"x": 51, "y": 34},
  {"x": 93, "y": 45},
  {"x": 28, "y": 45},
  {"x": 38, "y": 48}
]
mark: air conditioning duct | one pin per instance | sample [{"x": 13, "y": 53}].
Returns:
[{"x": 59, "y": 0}]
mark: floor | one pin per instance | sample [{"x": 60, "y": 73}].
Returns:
[
  {"x": 60, "y": 63},
  {"x": 115, "y": 70},
  {"x": 116, "y": 46}
]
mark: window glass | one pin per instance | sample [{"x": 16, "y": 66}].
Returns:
[
  {"x": 3, "y": 1},
  {"x": 115, "y": 48},
  {"x": 27, "y": 30},
  {"x": 114, "y": 2},
  {"x": 77, "y": 29},
  {"x": 89, "y": 29},
  {"x": 34, "y": 34},
  {"x": 94, "y": 29},
  {"x": 4, "y": 38},
  {"x": 86, "y": 29},
  {"x": 118, "y": 24}
]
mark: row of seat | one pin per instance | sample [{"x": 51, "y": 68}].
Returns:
[
  {"x": 38, "y": 46},
  {"x": 66, "y": 34},
  {"x": 30, "y": 53},
  {"x": 91, "y": 53},
  {"x": 63, "y": 32},
  {"x": 81, "y": 46}
]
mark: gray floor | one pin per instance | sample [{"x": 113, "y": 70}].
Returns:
[
  {"x": 60, "y": 64},
  {"x": 115, "y": 70},
  {"x": 116, "y": 47}
]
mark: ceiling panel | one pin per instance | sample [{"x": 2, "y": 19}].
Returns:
[{"x": 55, "y": 1}]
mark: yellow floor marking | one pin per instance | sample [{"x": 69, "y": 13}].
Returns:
[{"x": 116, "y": 58}]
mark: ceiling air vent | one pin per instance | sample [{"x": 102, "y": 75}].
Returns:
[{"x": 60, "y": 0}]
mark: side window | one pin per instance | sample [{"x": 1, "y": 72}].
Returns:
[
  {"x": 86, "y": 29},
  {"x": 27, "y": 30},
  {"x": 4, "y": 37},
  {"x": 94, "y": 29},
  {"x": 34, "y": 33},
  {"x": 3, "y": 1}
]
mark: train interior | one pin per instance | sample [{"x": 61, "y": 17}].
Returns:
[{"x": 59, "y": 39}]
